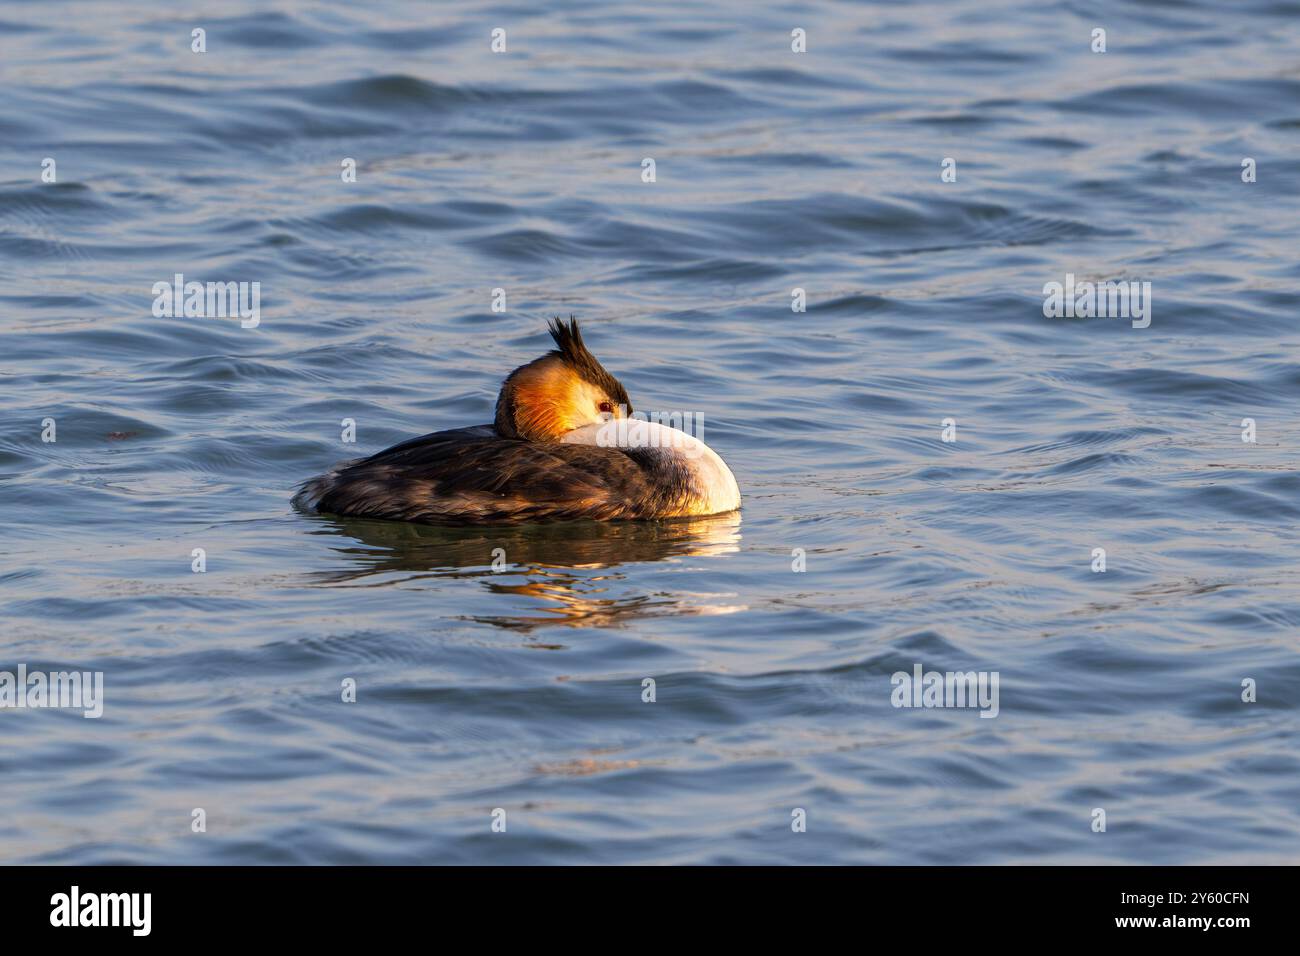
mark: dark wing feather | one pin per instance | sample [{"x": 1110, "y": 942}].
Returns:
[{"x": 470, "y": 476}]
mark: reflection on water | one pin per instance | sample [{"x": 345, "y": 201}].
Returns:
[{"x": 549, "y": 562}]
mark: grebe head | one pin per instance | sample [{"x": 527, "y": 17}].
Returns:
[{"x": 564, "y": 389}]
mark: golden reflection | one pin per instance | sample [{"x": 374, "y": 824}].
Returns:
[{"x": 549, "y": 563}]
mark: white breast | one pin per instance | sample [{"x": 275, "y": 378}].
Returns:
[{"x": 711, "y": 480}]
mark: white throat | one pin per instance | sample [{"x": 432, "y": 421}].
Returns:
[{"x": 712, "y": 483}]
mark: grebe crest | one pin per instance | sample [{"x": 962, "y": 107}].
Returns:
[{"x": 564, "y": 389}]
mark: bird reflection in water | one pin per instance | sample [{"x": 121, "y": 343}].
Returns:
[{"x": 573, "y": 567}]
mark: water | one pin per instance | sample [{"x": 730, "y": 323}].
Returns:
[{"x": 522, "y": 689}]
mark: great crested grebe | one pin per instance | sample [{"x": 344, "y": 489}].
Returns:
[{"x": 562, "y": 447}]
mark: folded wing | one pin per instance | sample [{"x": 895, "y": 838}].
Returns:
[{"x": 471, "y": 475}]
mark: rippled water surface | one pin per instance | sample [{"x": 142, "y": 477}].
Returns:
[{"x": 520, "y": 688}]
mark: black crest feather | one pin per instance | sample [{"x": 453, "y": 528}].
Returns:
[
  {"x": 576, "y": 355},
  {"x": 569, "y": 339}
]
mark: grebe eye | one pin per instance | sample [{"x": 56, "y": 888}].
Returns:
[{"x": 606, "y": 407}]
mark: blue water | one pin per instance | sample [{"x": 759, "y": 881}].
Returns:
[{"x": 520, "y": 688}]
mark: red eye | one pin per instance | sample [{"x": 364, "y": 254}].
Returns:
[{"x": 606, "y": 407}]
